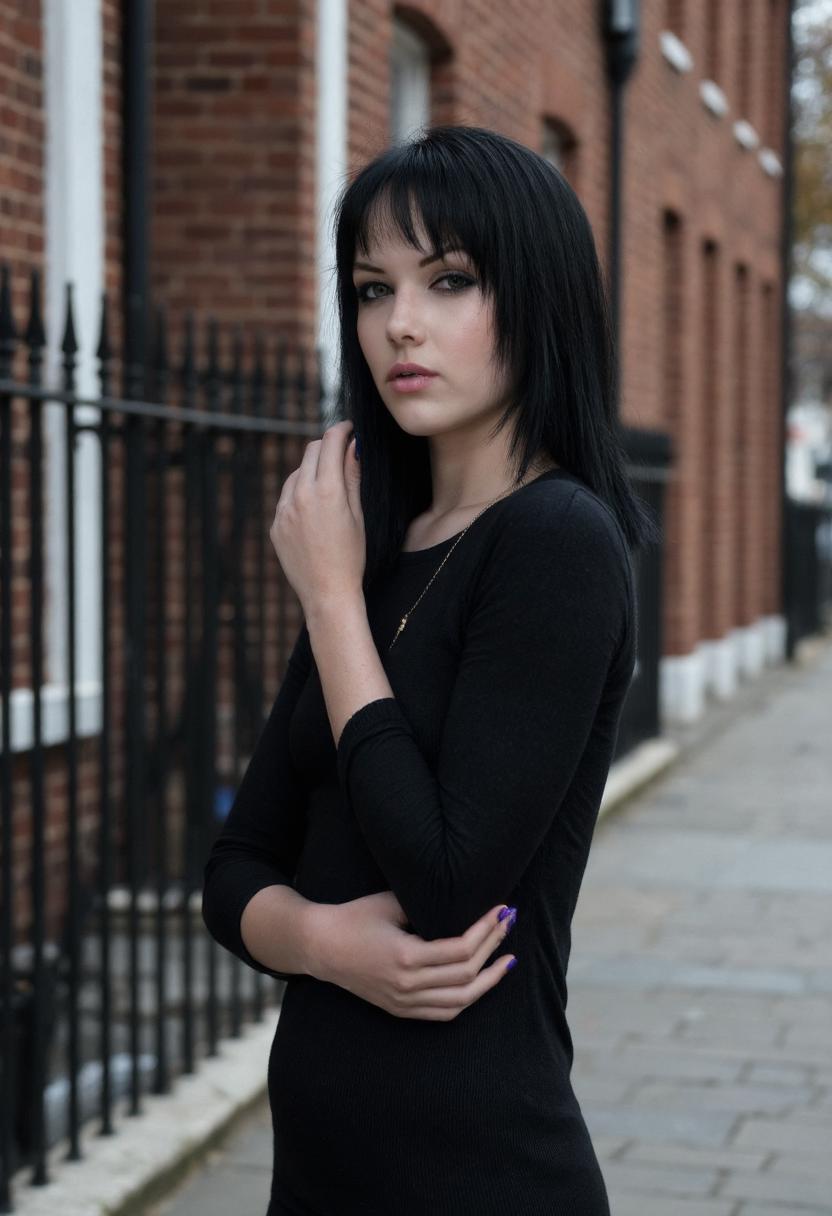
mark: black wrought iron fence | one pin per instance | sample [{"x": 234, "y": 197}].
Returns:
[{"x": 144, "y": 628}]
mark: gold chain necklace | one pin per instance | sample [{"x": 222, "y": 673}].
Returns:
[{"x": 408, "y": 614}]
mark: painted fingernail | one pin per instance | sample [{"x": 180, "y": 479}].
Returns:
[
  {"x": 504, "y": 913},
  {"x": 512, "y": 962},
  {"x": 510, "y": 920}
]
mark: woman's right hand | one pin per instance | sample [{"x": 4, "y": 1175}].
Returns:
[{"x": 362, "y": 946}]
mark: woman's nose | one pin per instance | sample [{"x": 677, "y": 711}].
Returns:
[{"x": 403, "y": 321}]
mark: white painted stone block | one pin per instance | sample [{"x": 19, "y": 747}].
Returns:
[
  {"x": 752, "y": 644},
  {"x": 774, "y": 628},
  {"x": 720, "y": 667},
  {"x": 682, "y": 687}
]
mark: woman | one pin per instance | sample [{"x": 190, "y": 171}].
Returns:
[{"x": 438, "y": 749}]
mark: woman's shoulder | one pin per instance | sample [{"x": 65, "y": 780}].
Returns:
[
  {"x": 557, "y": 554},
  {"x": 561, "y": 514}
]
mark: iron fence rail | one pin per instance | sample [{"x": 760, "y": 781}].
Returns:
[{"x": 108, "y": 984}]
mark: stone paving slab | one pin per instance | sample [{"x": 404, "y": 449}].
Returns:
[
  {"x": 233, "y": 1183},
  {"x": 779, "y": 1209},
  {"x": 707, "y": 901},
  {"x": 645, "y": 1203}
]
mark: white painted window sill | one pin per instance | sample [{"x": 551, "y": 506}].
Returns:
[
  {"x": 54, "y": 700},
  {"x": 713, "y": 98},
  {"x": 675, "y": 51},
  {"x": 770, "y": 162},
  {"x": 745, "y": 135}
]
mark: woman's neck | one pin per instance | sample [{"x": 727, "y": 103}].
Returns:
[
  {"x": 432, "y": 526},
  {"x": 481, "y": 489}
]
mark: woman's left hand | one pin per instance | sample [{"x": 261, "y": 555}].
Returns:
[{"x": 318, "y": 527}]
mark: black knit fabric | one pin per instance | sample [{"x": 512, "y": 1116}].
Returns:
[{"x": 478, "y": 782}]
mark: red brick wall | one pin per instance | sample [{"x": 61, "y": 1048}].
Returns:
[
  {"x": 233, "y": 226},
  {"x": 368, "y": 87},
  {"x": 21, "y": 136},
  {"x": 772, "y": 471}
]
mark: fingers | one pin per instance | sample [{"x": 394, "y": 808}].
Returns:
[
  {"x": 307, "y": 470},
  {"x": 452, "y": 975},
  {"x": 423, "y": 981},
  {"x": 447, "y": 1003},
  {"x": 493, "y": 941},
  {"x": 330, "y": 461},
  {"x": 459, "y": 949}
]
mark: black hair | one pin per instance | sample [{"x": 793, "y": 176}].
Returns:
[{"x": 531, "y": 243}]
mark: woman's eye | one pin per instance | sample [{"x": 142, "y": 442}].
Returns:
[
  {"x": 463, "y": 281},
  {"x": 365, "y": 288}
]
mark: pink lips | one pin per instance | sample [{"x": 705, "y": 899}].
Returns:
[{"x": 399, "y": 369}]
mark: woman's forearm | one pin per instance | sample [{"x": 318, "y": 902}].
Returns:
[
  {"x": 281, "y": 929},
  {"x": 346, "y": 657}
]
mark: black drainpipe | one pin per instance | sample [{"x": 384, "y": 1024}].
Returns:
[
  {"x": 136, "y": 43},
  {"x": 787, "y": 257},
  {"x": 621, "y": 22}
]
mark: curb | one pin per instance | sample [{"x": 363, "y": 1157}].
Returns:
[{"x": 629, "y": 775}]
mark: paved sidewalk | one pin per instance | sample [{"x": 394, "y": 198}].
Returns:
[{"x": 700, "y": 981}]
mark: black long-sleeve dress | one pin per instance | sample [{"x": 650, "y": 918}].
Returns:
[{"x": 478, "y": 782}]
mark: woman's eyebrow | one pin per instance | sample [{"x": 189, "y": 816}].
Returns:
[{"x": 433, "y": 257}]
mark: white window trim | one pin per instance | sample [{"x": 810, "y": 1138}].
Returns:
[
  {"x": 74, "y": 212},
  {"x": 554, "y": 136},
  {"x": 331, "y": 165},
  {"x": 54, "y": 714}
]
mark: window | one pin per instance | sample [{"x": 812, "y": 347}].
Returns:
[
  {"x": 712, "y": 478},
  {"x": 672, "y": 378},
  {"x": 559, "y": 147},
  {"x": 742, "y": 435},
  {"x": 410, "y": 83}
]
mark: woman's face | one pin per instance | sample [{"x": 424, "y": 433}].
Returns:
[{"x": 434, "y": 315}]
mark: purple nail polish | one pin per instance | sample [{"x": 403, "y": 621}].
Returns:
[
  {"x": 512, "y": 962},
  {"x": 503, "y": 913}
]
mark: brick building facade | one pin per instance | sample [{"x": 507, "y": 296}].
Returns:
[{"x": 260, "y": 108}]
